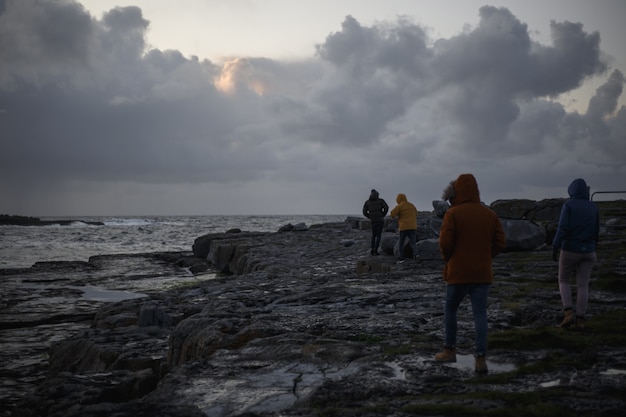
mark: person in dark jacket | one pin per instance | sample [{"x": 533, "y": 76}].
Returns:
[
  {"x": 576, "y": 239},
  {"x": 375, "y": 209},
  {"x": 471, "y": 236}
]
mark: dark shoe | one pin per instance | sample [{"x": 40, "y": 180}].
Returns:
[
  {"x": 569, "y": 318},
  {"x": 480, "y": 365},
  {"x": 580, "y": 323},
  {"x": 375, "y": 253},
  {"x": 372, "y": 253},
  {"x": 446, "y": 355}
]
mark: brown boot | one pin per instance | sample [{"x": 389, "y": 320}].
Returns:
[
  {"x": 446, "y": 355},
  {"x": 580, "y": 323},
  {"x": 569, "y": 318},
  {"x": 480, "y": 365}
]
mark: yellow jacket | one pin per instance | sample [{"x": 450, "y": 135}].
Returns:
[{"x": 406, "y": 214}]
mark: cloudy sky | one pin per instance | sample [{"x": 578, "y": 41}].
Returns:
[{"x": 151, "y": 107}]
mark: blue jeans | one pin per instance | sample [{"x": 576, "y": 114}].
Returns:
[
  {"x": 411, "y": 235},
  {"x": 478, "y": 294}
]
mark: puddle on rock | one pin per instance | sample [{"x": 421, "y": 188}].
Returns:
[
  {"x": 550, "y": 384},
  {"x": 466, "y": 362},
  {"x": 614, "y": 372},
  {"x": 101, "y": 294}
]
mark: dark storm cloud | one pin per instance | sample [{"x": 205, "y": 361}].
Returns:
[
  {"x": 380, "y": 72},
  {"x": 477, "y": 79},
  {"x": 34, "y": 34},
  {"x": 493, "y": 67},
  {"x": 86, "y": 99},
  {"x": 604, "y": 102},
  {"x": 113, "y": 113}
]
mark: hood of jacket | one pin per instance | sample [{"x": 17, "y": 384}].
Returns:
[
  {"x": 401, "y": 198},
  {"x": 578, "y": 189},
  {"x": 466, "y": 190},
  {"x": 374, "y": 195}
]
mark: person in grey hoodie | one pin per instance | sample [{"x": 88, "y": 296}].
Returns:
[
  {"x": 575, "y": 240},
  {"x": 375, "y": 209}
]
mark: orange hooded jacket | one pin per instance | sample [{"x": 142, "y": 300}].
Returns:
[
  {"x": 405, "y": 212},
  {"x": 471, "y": 236}
]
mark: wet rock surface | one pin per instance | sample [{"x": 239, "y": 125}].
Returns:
[{"x": 306, "y": 323}]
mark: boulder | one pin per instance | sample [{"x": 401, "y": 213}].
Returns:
[
  {"x": 513, "y": 209},
  {"x": 547, "y": 210},
  {"x": 362, "y": 223},
  {"x": 355, "y": 222},
  {"x": 298, "y": 227},
  {"x": 428, "y": 250},
  {"x": 388, "y": 242},
  {"x": 391, "y": 225},
  {"x": 202, "y": 245},
  {"x": 221, "y": 253},
  {"x": 522, "y": 235},
  {"x": 428, "y": 226}
]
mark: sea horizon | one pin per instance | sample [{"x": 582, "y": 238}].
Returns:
[{"x": 23, "y": 246}]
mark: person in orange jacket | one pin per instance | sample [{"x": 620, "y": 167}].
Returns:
[
  {"x": 471, "y": 236},
  {"x": 407, "y": 224}
]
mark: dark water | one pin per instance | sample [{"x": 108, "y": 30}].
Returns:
[{"x": 22, "y": 246}]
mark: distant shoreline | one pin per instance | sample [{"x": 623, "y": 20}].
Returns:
[{"x": 35, "y": 221}]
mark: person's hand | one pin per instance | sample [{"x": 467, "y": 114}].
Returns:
[{"x": 555, "y": 255}]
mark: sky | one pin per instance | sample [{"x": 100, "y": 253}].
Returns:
[{"x": 194, "y": 107}]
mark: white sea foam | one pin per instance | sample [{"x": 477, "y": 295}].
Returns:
[
  {"x": 22, "y": 246},
  {"x": 128, "y": 222}
]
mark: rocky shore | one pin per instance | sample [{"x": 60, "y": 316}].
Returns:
[
  {"x": 6, "y": 219},
  {"x": 304, "y": 322}
]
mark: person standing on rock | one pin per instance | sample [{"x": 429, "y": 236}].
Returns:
[
  {"x": 407, "y": 224},
  {"x": 576, "y": 239},
  {"x": 471, "y": 236},
  {"x": 375, "y": 209}
]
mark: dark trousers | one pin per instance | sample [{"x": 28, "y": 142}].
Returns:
[
  {"x": 411, "y": 235},
  {"x": 377, "y": 231}
]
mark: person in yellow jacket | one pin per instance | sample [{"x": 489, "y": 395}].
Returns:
[{"x": 407, "y": 224}]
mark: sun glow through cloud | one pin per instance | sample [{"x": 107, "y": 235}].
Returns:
[{"x": 237, "y": 74}]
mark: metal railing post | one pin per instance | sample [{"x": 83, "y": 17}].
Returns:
[{"x": 607, "y": 192}]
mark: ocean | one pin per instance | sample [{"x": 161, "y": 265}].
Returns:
[{"x": 23, "y": 246}]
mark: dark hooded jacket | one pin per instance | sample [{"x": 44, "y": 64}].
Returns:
[
  {"x": 470, "y": 236},
  {"x": 375, "y": 208},
  {"x": 579, "y": 224}
]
